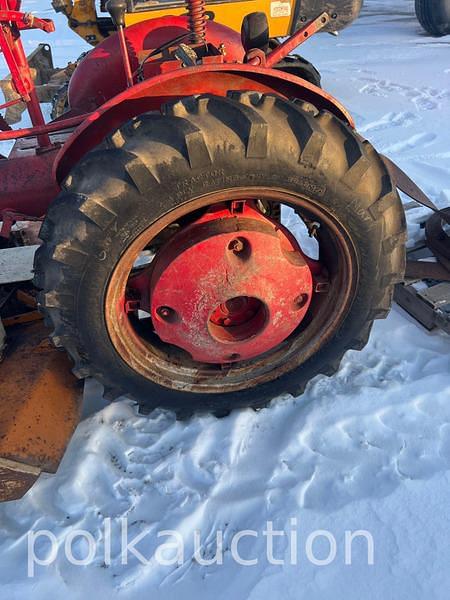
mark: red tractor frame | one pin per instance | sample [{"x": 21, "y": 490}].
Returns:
[{"x": 32, "y": 174}]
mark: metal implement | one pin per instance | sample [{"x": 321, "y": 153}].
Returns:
[
  {"x": 425, "y": 294},
  {"x": 39, "y": 408},
  {"x": 47, "y": 79},
  {"x": 411, "y": 189},
  {"x": 429, "y": 303},
  {"x": 13, "y": 21}
]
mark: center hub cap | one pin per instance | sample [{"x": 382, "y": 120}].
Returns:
[{"x": 230, "y": 286}]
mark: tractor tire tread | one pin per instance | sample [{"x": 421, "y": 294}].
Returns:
[
  {"x": 183, "y": 133},
  {"x": 434, "y": 16}
]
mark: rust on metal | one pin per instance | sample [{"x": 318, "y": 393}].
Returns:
[
  {"x": 437, "y": 238},
  {"x": 26, "y": 317},
  {"x": 39, "y": 408},
  {"x": 298, "y": 38},
  {"x": 411, "y": 189},
  {"x": 421, "y": 269},
  {"x": 161, "y": 362},
  {"x": 16, "y": 479},
  {"x": 197, "y": 20},
  {"x": 225, "y": 288}
]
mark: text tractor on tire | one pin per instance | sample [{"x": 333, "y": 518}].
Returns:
[{"x": 215, "y": 233}]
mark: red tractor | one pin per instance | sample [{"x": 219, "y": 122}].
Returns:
[{"x": 167, "y": 269}]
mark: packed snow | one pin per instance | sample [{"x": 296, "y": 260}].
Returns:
[{"x": 365, "y": 450}]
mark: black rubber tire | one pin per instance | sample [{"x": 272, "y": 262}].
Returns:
[
  {"x": 299, "y": 66},
  {"x": 434, "y": 16},
  {"x": 199, "y": 145}
]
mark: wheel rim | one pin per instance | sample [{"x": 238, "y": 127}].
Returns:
[{"x": 322, "y": 306}]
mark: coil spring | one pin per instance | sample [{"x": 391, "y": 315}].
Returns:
[{"x": 197, "y": 19}]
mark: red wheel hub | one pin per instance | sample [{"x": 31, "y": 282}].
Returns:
[{"x": 230, "y": 286}]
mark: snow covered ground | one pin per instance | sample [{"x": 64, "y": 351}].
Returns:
[{"x": 367, "y": 449}]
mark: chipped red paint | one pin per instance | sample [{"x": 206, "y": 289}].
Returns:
[
  {"x": 92, "y": 85},
  {"x": 230, "y": 286},
  {"x": 31, "y": 176}
]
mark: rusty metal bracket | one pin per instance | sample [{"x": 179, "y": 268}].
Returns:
[
  {"x": 411, "y": 189},
  {"x": 429, "y": 306},
  {"x": 298, "y": 38},
  {"x": 40, "y": 403},
  {"x": 256, "y": 56}
]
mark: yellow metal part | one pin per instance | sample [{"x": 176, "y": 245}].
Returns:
[
  {"x": 280, "y": 13},
  {"x": 83, "y": 18}
]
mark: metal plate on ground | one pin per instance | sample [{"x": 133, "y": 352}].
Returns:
[
  {"x": 16, "y": 264},
  {"x": 40, "y": 408},
  {"x": 438, "y": 295}
]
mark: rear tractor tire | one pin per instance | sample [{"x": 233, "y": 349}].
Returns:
[{"x": 165, "y": 274}]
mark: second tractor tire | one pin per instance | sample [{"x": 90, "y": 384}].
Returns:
[{"x": 434, "y": 16}]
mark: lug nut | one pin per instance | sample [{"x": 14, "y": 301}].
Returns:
[
  {"x": 236, "y": 246},
  {"x": 234, "y": 356},
  {"x": 166, "y": 313},
  {"x": 300, "y": 301}
]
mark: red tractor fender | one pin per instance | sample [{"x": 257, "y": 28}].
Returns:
[{"x": 151, "y": 94}]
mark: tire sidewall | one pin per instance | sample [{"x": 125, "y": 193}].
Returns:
[{"x": 137, "y": 215}]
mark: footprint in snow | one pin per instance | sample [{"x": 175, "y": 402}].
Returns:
[
  {"x": 389, "y": 120},
  {"x": 359, "y": 434},
  {"x": 425, "y": 98}
]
